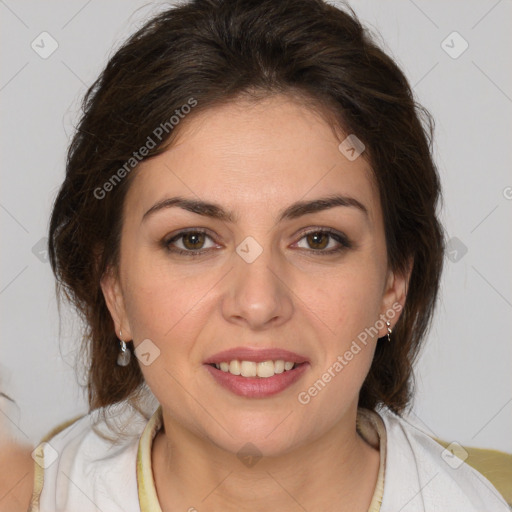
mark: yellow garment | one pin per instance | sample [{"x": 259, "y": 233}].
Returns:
[{"x": 496, "y": 466}]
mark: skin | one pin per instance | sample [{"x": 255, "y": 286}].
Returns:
[
  {"x": 17, "y": 476},
  {"x": 255, "y": 159}
]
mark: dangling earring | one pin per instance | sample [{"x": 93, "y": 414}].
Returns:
[
  {"x": 123, "y": 359},
  {"x": 389, "y": 330}
]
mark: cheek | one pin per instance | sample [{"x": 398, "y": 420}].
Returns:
[
  {"x": 349, "y": 305},
  {"x": 348, "y": 299},
  {"x": 162, "y": 306},
  {"x": 346, "y": 305},
  {"x": 167, "y": 309}
]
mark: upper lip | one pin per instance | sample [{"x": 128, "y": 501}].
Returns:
[{"x": 256, "y": 355}]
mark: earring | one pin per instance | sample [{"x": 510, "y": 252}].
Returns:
[
  {"x": 389, "y": 330},
  {"x": 124, "y": 355}
]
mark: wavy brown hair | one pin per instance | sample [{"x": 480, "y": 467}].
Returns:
[{"x": 216, "y": 51}]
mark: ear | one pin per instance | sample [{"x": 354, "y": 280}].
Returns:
[
  {"x": 113, "y": 294},
  {"x": 395, "y": 294}
]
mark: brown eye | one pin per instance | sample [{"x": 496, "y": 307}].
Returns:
[
  {"x": 193, "y": 240},
  {"x": 324, "y": 241},
  {"x": 189, "y": 243},
  {"x": 318, "y": 240}
]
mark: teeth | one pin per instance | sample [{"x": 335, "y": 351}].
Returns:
[
  {"x": 279, "y": 366},
  {"x": 248, "y": 369},
  {"x": 234, "y": 367},
  {"x": 264, "y": 369}
]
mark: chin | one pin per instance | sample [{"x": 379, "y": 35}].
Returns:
[{"x": 264, "y": 433}]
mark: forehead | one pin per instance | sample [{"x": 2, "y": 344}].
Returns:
[{"x": 253, "y": 157}]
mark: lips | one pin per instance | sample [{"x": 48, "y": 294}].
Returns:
[
  {"x": 250, "y": 385},
  {"x": 256, "y": 387}
]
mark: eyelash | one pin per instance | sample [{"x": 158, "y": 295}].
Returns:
[{"x": 339, "y": 237}]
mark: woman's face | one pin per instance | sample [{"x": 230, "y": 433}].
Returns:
[{"x": 264, "y": 276}]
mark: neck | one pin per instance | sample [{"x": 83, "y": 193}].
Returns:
[{"x": 337, "y": 471}]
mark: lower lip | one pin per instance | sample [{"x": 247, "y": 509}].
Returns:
[{"x": 257, "y": 387}]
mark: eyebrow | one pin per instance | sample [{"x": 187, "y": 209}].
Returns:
[{"x": 293, "y": 211}]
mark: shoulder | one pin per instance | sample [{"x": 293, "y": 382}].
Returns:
[
  {"x": 16, "y": 464},
  {"x": 17, "y": 470},
  {"x": 84, "y": 462},
  {"x": 422, "y": 476}
]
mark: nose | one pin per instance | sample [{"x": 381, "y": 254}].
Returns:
[{"x": 258, "y": 295}]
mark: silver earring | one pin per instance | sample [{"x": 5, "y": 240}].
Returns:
[
  {"x": 124, "y": 355},
  {"x": 389, "y": 330}
]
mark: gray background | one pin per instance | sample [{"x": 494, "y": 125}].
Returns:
[{"x": 464, "y": 390}]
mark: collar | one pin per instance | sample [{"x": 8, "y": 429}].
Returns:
[
  {"x": 369, "y": 425},
  {"x": 148, "y": 498}
]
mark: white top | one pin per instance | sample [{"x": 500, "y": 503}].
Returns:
[{"x": 77, "y": 470}]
